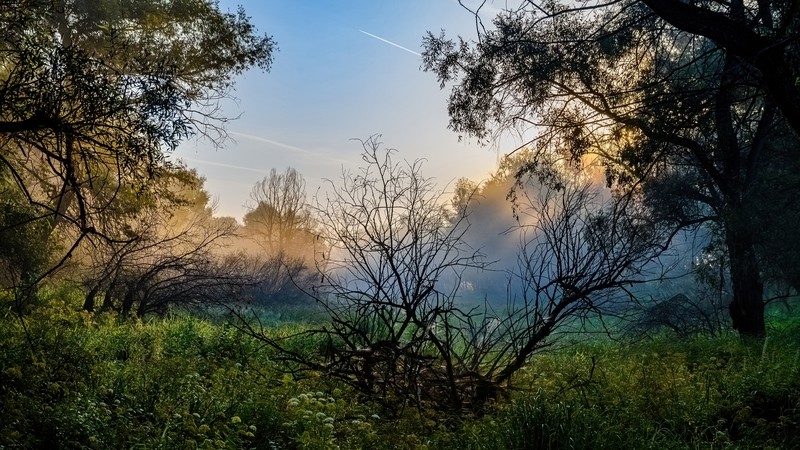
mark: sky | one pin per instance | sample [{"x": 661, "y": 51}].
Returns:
[{"x": 345, "y": 69}]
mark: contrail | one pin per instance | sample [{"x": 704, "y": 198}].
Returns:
[
  {"x": 287, "y": 146},
  {"x": 391, "y": 43},
  {"x": 228, "y": 166},
  {"x": 270, "y": 141}
]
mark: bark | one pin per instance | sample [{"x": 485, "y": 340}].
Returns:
[
  {"x": 129, "y": 299},
  {"x": 747, "y": 307},
  {"x": 89, "y": 302}
]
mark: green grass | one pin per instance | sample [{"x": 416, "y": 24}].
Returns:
[{"x": 73, "y": 380}]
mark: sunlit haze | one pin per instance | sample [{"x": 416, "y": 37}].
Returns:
[{"x": 345, "y": 70}]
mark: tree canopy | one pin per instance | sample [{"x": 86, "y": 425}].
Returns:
[
  {"x": 92, "y": 95},
  {"x": 684, "y": 112}
]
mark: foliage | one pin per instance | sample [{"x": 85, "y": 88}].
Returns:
[
  {"x": 25, "y": 247},
  {"x": 673, "y": 107},
  {"x": 94, "y": 94},
  {"x": 705, "y": 392},
  {"x": 69, "y": 379}
]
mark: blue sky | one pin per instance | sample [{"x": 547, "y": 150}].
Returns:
[{"x": 336, "y": 78}]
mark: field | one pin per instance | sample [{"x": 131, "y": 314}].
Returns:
[{"x": 72, "y": 380}]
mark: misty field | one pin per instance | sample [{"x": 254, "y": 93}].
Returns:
[{"x": 69, "y": 379}]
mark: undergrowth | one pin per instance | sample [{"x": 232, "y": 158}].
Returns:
[{"x": 73, "y": 380}]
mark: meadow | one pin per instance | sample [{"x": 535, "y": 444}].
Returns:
[{"x": 70, "y": 379}]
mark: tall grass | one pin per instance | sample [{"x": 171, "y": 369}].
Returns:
[{"x": 73, "y": 380}]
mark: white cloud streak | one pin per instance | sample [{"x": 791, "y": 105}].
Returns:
[
  {"x": 286, "y": 146},
  {"x": 227, "y": 166},
  {"x": 270, "y": 141},
  {"x": 391, "y": 43}
]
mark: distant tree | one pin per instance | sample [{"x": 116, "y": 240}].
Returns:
[
  {"x": 280, "y": 222},
  {"x": 93, "y": 93},
  {"x": 680, "y": 109},
  {"x": 279, "y": 219},
  {"x": 463, "y": 194}
]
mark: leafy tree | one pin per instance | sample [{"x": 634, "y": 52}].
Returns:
[
  {"x": 761, "y": 37},
  {"x": 25, "y": 248},
  {"x": 675, "y": 111},
  {"x": 93, "y": 93}
]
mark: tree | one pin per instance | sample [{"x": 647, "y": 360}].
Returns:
[
  {"x": 175, "y": 257},
  {"x": 579, "y": 257},
  {"x": 25, "y": 250},
  {"x": 388, "y": 279},
  {"x": 278, "y": 218},
  {"x": 685, "y": 121},
  {"x": 391, "y": 282},
  {"x": 94, "y": 93},
  {"x": 761, "y": 37},
  {"x": 280, "y": 222}
]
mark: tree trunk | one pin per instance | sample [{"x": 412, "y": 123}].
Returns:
[
  {"x": 88, "y": 304},
  {"x": 747, "y": 307},
  {"x": 129, "y": 299}
]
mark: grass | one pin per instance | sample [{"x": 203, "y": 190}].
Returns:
[{"x": 73, "y": 380}]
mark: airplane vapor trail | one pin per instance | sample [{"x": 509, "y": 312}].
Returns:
[
  {"x": 227, "y": 166},
  {"x": 270, "y": 141},
  {"x": 391, "y": 43},
  {"x": 287, "y": 146}
]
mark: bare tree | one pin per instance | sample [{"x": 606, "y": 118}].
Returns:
[
  {"x": 280, "y": 222},
  {"x": 164, "y": 265},
  {"x": 389, "y": 280},
  {"x": 579, "y": 254},
  {"x": 279, "y": 216},
  {"x": 390, "y": 285}
]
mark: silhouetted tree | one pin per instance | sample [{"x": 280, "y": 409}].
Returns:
[
  {"x": 280, "y": 222},
  {"x": 167, "y": 264},
  {"x": 673, "y": 107},
  {"x": 391, "y": 280}
]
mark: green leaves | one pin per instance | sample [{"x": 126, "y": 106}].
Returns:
[{"x": 93, "y": 93}]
